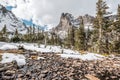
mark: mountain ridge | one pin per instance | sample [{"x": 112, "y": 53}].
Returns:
[
  {"x": 67, "y": 20},
  {"x": 11, "y": 21}
]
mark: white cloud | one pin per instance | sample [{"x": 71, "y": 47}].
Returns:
[{"x": 48, "y": 11}]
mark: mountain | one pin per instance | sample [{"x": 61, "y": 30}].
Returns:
[
  {"x": 67, "y": 21},
  {"x": 11, "y": 21}
]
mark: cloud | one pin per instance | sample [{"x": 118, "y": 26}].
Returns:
[{"x": 44, "y": 12}]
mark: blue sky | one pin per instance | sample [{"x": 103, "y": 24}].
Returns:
[
  {"x": 30, "y": 23},
  {"x": 9, "y": 8},
  {"x": 27, "y": 22}
]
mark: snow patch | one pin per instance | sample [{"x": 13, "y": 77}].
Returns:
[
  {"x": 9, "y": 57},
  {"x": 67, "y": 53},
  {"x": 8, "y": 46},
  {"x": 88, "y": 56},
  {"x": 40, "y": 58}
]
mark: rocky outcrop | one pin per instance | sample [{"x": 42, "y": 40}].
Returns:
[{"x": 67, "y": 21}]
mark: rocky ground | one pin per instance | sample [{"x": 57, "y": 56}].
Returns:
[{"x": 53, "y": 67}]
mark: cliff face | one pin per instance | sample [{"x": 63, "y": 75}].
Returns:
[{"x": 67, "y": 21}]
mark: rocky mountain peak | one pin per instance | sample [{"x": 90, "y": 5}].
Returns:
[
  {"x": 11, "y": 21},
  {"x": 86, "y": 18},
  {"x": 67, "y": 16},
  {"x": 67, "y": 20}
]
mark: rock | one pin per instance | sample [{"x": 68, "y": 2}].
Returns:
[
  {"x": 28, "y": 74},
  {"x": 6, "y": 77},
  {"x": 19, "y": 79},
  {"x": 20, "y": 75},
  {"x": 10, "y": 72},
  {"x": 91, "y": 77},
  {"x": 43, "y": 75},
  {"x": 45, "y": 72}
]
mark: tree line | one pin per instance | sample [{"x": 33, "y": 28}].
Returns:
[{"x": 103, "y": 38}]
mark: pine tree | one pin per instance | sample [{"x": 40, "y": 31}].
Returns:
[
  {"x": 88, "y": 36},
  {"x": 4, "y": 30},
  {"x": 16, "y": 37},
  {"x": 67, "y": 40},
  {"x": 80, "y": 37},
  {"x": 16, "y": 33},
  {"x": 4, "y": 33},
  {"x": 52, "y": 39},
  {"x": 56, "y": 39},
  {"x": 72, "y": 37},
  {"x": 33, "y": 34},
  {"x": 116, "y": 33},
  {"x": 106, "y": 35},
  {"x": 117, "y": 29},
  {"x": 101, "y": 13}
]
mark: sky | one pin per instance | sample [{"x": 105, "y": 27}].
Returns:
[{"x": 48, "y": 12}]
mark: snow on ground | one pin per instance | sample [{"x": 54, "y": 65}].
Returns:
[
  {"x": 67, "y": 53},
  {"x": 8, "y": 46},
  {"x": 88, "y": 56},
  {"x": 9, "y": 57}
]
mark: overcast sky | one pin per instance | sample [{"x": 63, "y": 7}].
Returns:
[{"x": 49, "y": 11}]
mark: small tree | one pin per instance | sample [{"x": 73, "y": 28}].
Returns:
[
  {"x": 52, "y": 39},
  {"x": 4, "y": 33},
  {"x": 16, "y": 37}
]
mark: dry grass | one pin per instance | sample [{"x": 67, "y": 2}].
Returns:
[
  {"x": 1, "y": 51},
  {"x": 12, "y": 51},
  {"x": 83, "y": 52},
  {"x": 34, "y": 57}
]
